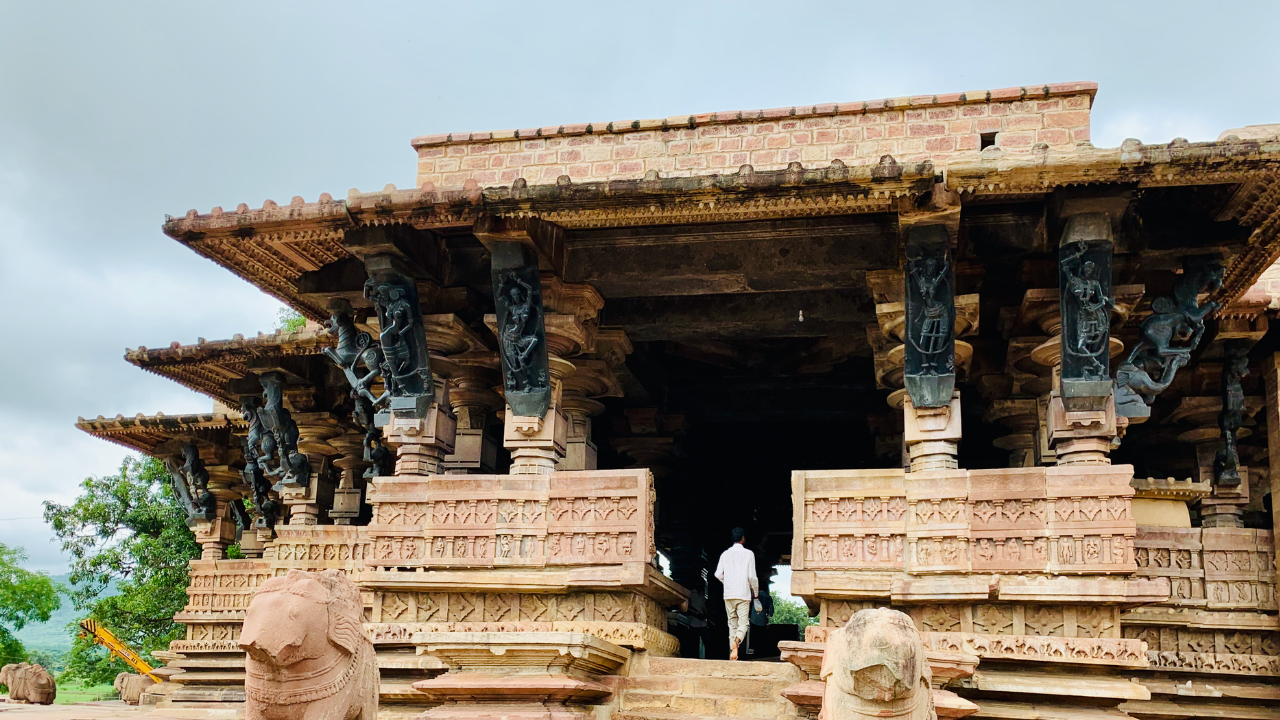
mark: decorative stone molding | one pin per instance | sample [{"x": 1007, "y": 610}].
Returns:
[
  {"x": 1213, "y": 568},
  {"x": 1169, "y": 489}
]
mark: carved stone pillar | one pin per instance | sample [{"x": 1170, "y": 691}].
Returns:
[
  {"x": 1271, "y": 376},
  {"x": 214, "y": 536},
  {"x": 474, "y": 402},
  {"x": 350, "y": 461},
  {"x": 306, "y": 504},
  {"x": 538, "y": 444},
  {"x": 590, "y": 379},
  {"x": 932, "y": 435},
  {"x": 423, "y": 439}
]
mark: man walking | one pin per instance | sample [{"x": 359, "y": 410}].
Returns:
[{"x": 737, "y": 571}]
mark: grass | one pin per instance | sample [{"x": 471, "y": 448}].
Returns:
[{"x": 75, "y": 692}]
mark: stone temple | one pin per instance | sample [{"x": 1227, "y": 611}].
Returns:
[{"x": 938, "y": 354}]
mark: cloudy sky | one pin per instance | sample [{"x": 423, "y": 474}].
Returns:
[{"x": 112, "y": 115}]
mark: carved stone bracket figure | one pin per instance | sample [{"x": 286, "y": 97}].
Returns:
[
  {"x": 522, "y": 340},
  {"x": 361, "y": 361},
  {"x": 279, "y": 443},
  {"x": 875, "y": 667},
  {"x": 178, "y": 483},
  {"x": 203, "y": 504},
  {"x": 1226, "y": 466},
  {"x": 930, "y": 374},
  {"x": 268, "y": 506},
  {"x": 317, "y": 665},
  {"x": 1084, "y": 288},
  {"x": 1169, "y": 336},
  {"x": 402, "y": 339}
]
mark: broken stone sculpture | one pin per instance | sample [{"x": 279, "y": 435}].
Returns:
[
  {"x": 29, "y": 683},
  {"x": 875, "y": 667},
  {"x": 130, "y": 686},
  {"x": 308, "y": 657},
  {"x": 1169, "y": 336}
]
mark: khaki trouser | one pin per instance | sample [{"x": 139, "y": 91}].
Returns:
[{"x": 739, "y": 612}]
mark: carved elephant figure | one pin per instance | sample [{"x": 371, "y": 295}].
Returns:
[
  {"x": 131, "y": 686},
  {"x": 29, "y": 683},
  {"x": 307, "y": 655},
  {"x": 875, "y": 666}
]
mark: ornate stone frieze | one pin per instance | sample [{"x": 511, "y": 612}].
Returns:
[
  {"x": 497, "y": 607},
  {"x": 323, "y": 547},
  {"x": 1041, "y": 620},
  {"x": 222, "y": 589},
  {"x": 569, "y": 518},
  {"x": 1078, "y": 650},
  {"x": 1014, "y": 520}
]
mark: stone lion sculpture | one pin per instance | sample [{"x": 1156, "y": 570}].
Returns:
[
  {"x": 308, "y": 656},
  {"x": 131, "y": 686},
  {"x": 875, "y": 667},
  {"x": 29, "y": 683}
]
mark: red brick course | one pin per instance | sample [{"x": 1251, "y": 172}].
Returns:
[{"x": 912, "y": 129}]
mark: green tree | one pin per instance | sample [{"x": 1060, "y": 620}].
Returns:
[
  {"x": 790, "y": 612},
  {"x": 290, "y": 320},
  {"x": 25, "y": 597},
  {"x": 131, "y": 529}
]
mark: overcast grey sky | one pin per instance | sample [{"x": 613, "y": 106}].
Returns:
[{"x": 113, "y": 115}]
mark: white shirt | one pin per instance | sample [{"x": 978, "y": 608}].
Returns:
[{"x": 737, "y": 570}]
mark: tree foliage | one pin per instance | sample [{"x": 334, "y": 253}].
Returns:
[
  {"x": 790, "y": 612},
  {"x": 290, "y": 320},
  {"x": 25, "y": 597},
  {"x": 131, "y": 529}
]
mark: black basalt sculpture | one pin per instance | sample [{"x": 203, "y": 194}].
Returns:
[
  {"x": 929, "y": 291},
  {"x": 197, "y": 477},
  {"x": 178, "y": 484},
  {"x": 253, "y": 475},
  {"x": 522, "y": 337},
  {"x": 361, "y": 360},
  {"x": 1084, "y": 291},
  {"x": 402, "y": 354},
  {"x": 279, "y": 445},
  {"x": 1168, "y": 337},
  {"x": 1235, "y": 366}
]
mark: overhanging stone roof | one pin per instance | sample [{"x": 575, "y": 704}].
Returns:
[
  {"x": 144, "y": 433},
  {"x": 207, "y": 366},
  {"x": 272, "y": 246}
]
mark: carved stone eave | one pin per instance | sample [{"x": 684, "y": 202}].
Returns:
[
  {"x": 206, "y": 366},
  {"x": 1152, "y": 488},
  {"x": 145, "y": 433}
]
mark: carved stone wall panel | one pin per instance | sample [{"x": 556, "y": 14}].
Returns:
[
  {"x": 1016, "y": 520},
  {"x": 222, "y": 589},
  {"x": 1216, "y": 568},
  {"x": 563, "y": 519},
  {"x": 322, "y": 547}
]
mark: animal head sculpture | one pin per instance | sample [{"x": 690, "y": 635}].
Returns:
[
  {"x": 301, "y": 616},
  {"x": 875, "y": 666},
  {"x": 308, "y": 655}
]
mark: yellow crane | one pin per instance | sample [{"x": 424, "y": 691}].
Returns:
[{"x": 91, "y": 628}]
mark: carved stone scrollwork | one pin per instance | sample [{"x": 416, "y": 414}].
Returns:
[
  {"x": 522, "y": 340},
  {"x": 1169, "y": 336},
  {"x": 1084, "y": 287},
  {"x": 930, "y": 317}
]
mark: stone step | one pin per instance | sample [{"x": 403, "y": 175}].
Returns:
[
  {"x": 669, "y": 716},
  {"x": 694, "y": 704},
  {"x": 757, "y": 688},
  {"x": 722, "y": 668}
]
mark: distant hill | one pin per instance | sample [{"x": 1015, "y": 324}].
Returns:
[{"x": 57, "y": 634}]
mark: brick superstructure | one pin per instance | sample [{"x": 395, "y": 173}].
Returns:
[{"x": 911, "y": 129}]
